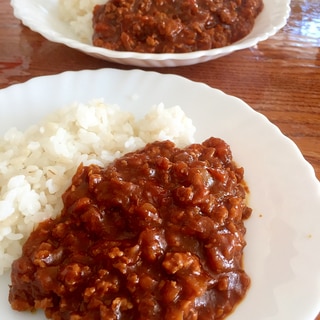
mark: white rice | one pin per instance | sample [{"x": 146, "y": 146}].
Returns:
[
  {"x": 78, "y": 14},
  {"x": 36, "y": 166}
]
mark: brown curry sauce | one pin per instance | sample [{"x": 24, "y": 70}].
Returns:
[
  {"x": 172, "y": 26},
  {"x": 158, "y": 234}
]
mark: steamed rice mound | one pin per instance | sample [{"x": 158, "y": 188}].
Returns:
[{"x": 36, "y": 166}]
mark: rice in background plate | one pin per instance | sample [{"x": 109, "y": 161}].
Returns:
[
  {"x": 36, "y": 166},
  {"x": 78, "y": 13}
]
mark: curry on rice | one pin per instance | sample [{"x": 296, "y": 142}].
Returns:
[
  {"x": 157, "y": 234},
  {"x": 172, "y": 26}
]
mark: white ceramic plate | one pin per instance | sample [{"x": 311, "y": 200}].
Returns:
[
  {"x": 282, "y": 255},
  {"x": 42, "y": 16}
]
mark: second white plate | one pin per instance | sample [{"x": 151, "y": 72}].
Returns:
[
  {"x": 43, "y": 17},
  {"x": 283, "y": 233}
]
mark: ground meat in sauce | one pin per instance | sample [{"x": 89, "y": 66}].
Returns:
[
  {"x": 172, "y": 26},
  {"x": 159, "y": 234}
]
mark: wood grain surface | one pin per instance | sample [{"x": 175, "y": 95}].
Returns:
[{"x": 280, "y": 77}]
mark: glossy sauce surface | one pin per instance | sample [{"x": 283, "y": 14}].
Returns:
[{"x": 157, "y": 235}]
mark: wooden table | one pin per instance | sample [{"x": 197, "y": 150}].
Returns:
[{"x": 279, "y": 77}]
